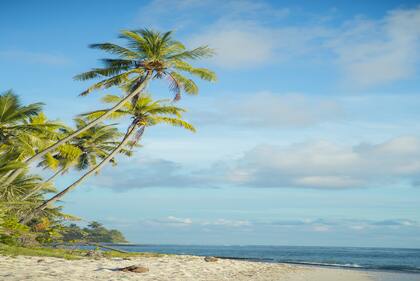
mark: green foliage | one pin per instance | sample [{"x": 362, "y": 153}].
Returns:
[
  {"x": 23, "y": 130},
  {"x": 69, "y": 254},
  {"x": 83, "y": 151},
  {"x": 94, "y": 232},
  {"x": 73, "y": 234},
  {"x": 46, "y": 231},
  {"x": 27, "y": 136},
  {"x": 13, "y": 232}
]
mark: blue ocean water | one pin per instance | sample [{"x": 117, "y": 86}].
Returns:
[{"x": 390, "y": 259}]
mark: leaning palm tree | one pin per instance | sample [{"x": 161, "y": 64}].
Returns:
[
  {"x": 82, "y": 153},
  {"x": 147, "y": 55},
  {"x": 144, "y": 113}
]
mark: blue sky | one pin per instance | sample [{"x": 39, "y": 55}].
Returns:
[{"x": 310, "y": 136}]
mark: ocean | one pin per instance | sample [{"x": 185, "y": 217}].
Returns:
[{"x": 374, "y": 259}]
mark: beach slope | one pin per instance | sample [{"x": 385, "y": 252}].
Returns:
[{"x": 171, "y": 267}]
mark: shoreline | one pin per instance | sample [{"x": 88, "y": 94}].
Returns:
[
  {"x": 309, "y": 264},
  {"x": 170, "y": 267},
  {"x": 294, "y": 255}
]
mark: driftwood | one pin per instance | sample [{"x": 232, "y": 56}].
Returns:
[
  {"x": 134, "y": 268},
  {"x": 107, "y": 247},
  {"x": 74, "y": 246}
]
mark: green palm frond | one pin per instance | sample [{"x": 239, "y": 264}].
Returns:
[
  {"x": 50, "y": 162},
  {"x": 115, "y": 49},
  {"x": 188, "y": 85},
  {"x": 69, "y": 151},
  {"x": 202, "y": 73},
  {"x": 24, "y": 130},
  {"x": 12, "y": 111},
  {"x": 197, "y": 53},
  {"x": 98, "y": 113},
  {"x": 175, "y": 122}
]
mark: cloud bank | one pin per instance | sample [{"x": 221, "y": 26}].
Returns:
[{"x": 316, "y": 164}]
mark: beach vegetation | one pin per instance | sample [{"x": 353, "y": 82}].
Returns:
[{"x": 35, "y": 150}]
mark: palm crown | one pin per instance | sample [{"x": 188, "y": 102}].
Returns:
[
  {"x": 24, "y": 129},
  {"x": 149, "y": 52},
  {"x": 144, "y": 113},
  {"x": 84, "y": 150}
]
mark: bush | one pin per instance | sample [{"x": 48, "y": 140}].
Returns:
[{"x": 14, "y": 233}]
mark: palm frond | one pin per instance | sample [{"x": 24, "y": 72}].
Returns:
[
  {"x": 115, "y": 49},
  {"x": 172, "y": 121},
  {"x": 188, "y": 85},
  {"x": 197, "y": 53}
]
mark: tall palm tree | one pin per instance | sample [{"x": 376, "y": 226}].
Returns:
[
  {"x": 83, "y": 152},
  {"x": 144, "y": 113},
  {"x": 148, "y": 55}
]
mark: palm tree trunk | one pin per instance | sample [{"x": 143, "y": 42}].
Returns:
[
  {"x": 41, "y": 185},
  {"x": 81, "y": 130},
  {"x": 59, "y": 195}
]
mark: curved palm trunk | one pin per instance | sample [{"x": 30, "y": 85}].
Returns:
[
  {"x": 37, "y": 156},
  {"x": 58, "y": 196},
  {"x": 41, "y": 185}
]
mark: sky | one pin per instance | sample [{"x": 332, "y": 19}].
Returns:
[{"x": 309, "y": 137}]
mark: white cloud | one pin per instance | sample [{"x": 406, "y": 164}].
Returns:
[
  {"x": 34, "y": 57},
  {"x": 250, "y": 44},
  {"x": 182, "y": 222},
  {"x": 323, "y": 164},
  {"x": 377, "y": 52},
  {"x": 146, "y": 172},
  {"x": 321, "y": 228},
  {"x": 311, "y": 225},
  {"x": 326, "y": 225},
  {"x": 272, "y": 110},
  {"x": 186, "y": 14},
  {"x": 227, "y": 223},
  {"x": 237, "y": 45},
  {"x": 171, "y": 221},
  {"x": 314, "y": 164},
  {"x": 246, "y": 34},
  {"x": 369, "y": 52}
]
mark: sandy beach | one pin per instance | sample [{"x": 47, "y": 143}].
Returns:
[{"x": 171, "y": 267}]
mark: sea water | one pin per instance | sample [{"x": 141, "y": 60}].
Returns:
[{"x": 388, "y": 263}]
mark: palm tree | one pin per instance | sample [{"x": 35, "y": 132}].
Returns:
[
  {"x": 24, "y": 130},
  {"x": 13, "y": 116},
  {"x": 13, "y": 207},
  {"x": 144, "y": 113},
  {"x": 148, "y": 55},
  {"x": 19, "y": 187},
  {"x": 83, "y": 152}
]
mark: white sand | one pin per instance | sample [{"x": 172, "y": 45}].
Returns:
[{"x": 171, "y": 268}]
